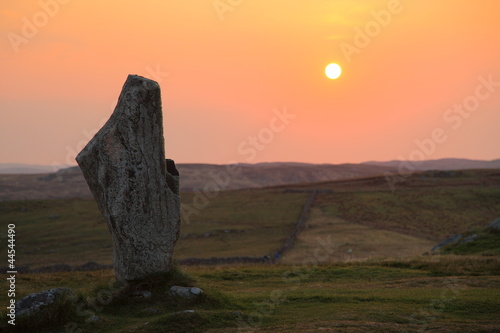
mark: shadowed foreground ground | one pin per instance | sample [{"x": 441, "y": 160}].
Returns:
[{"x": 440, "y": 294}]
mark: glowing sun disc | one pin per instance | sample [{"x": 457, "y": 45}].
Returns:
[{"x": 333, "y": 71}]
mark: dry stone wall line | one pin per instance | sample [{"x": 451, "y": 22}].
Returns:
[{"x": 299, "y": 226}]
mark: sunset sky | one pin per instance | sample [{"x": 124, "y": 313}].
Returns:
[{"x": 244, "y": 81}]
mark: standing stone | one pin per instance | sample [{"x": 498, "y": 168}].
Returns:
[{"x": 136, "y": 189}]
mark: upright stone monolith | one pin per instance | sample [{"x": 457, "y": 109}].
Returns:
[{"x": 136, "y": 189}]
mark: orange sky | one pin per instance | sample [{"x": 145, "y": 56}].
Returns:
[{"x": 224, "y": 70}]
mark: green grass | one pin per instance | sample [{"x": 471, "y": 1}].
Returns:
[
  {"x": 115, "y": 303},
  {"x": 254, "y": 223},
  {"x": 239, "y": 223},
  {"x": 362, "y": 215},
  {"x": 433, "y": 213},
  {"x": 485, "y": 243},
  {"x": 379, "y": 296},
  {"x": 56, "y": 231}
]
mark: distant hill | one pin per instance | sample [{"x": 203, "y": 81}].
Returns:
[
  {"x": 69, "y": 182},
  {"x": 442, "y": 164},
  {"x": 195, "y": 176},
  {"x": 18, "y": 168}
]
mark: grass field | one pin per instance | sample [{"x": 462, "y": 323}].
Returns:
[
  {"x": 442, "y": 294},
  {"x": 73, "y": 232},
  {"x": 356, "y": 267},
  {"x": 240, "y": 223},
  {"x": 429, "y": 213},
  {"x": 353, "y": 241},
  {"x": 369, "y": 222}
]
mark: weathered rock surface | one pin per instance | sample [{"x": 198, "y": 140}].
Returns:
[
  {"x": 447, "y": 241},
  {"x": 93, "y": 319},
  {"x": 136, "y": 190},
  {"x": 150, "y": 311},
  {"x": 36, "y": 303},
  {"x": 494, "y": 226},
  {"x": 183, "y": 313},
  {"x": 468, "y": 239},
  {"x": 142, "y": 294},
  {"x": 187, "y": 293}
]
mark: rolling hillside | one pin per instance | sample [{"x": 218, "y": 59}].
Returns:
[
  {"x": 363, "y": 217},
  {"x": 19, "y": 168},
  {"x": 354, "y": 267},
  {"x": 69, "y": 183},
  {"x": 441, "y": 164}
]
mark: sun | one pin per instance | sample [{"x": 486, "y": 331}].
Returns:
[{"x": 333, "y": 71}]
